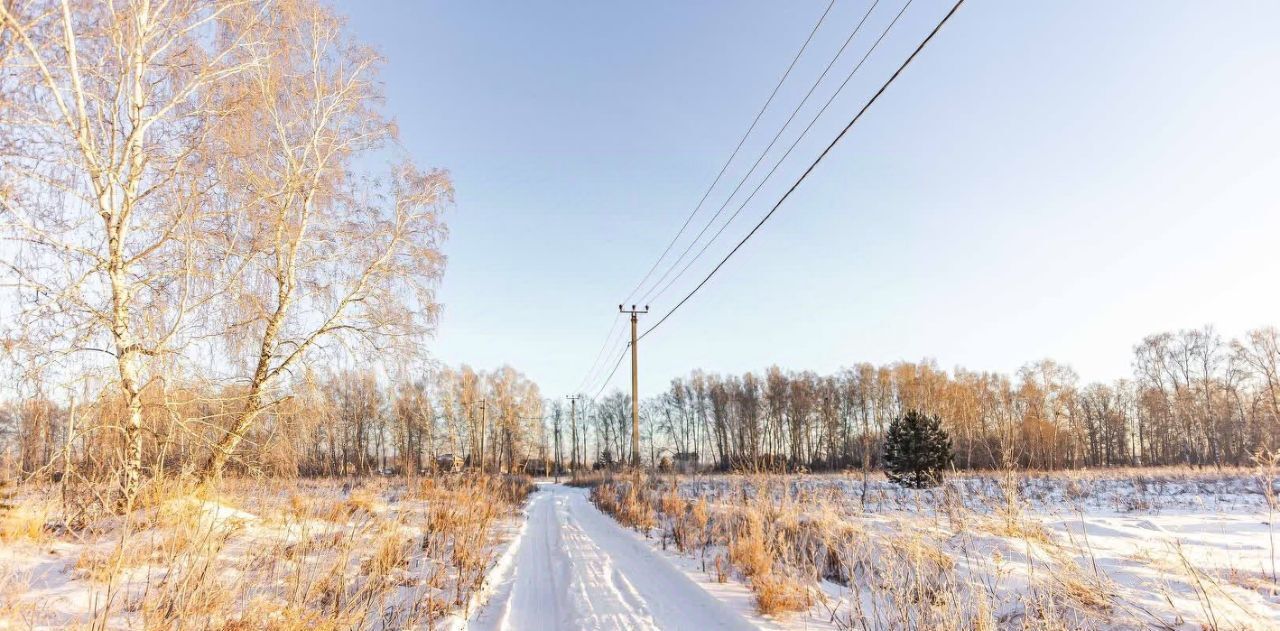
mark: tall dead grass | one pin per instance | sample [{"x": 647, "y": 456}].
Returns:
[
  {"x": 278, "y": 555},
  {"x": 967, "y": 555}
]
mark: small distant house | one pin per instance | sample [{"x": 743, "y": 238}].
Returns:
[
  {"x": 447, "y": 462},
  {"x": 685, "y": 461},
  {"x": 535, "y": 467}
]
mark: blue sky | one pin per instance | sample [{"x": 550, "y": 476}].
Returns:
[{"x": 1047, "y": 180}]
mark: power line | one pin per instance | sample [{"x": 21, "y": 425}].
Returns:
[
  {"x": 613, "y": 372},
  {"x": 733, "y": 155},
  {"x": 790, "y": 118},
  {"x": 723, "y": 169},
  {"x": 812, "y": 166},
  {"x": 831, "y": 99},
  {"x": 612, "y": 343},
  {"x": 600, "y": 353},
  {"x": 857, "y": 29}
]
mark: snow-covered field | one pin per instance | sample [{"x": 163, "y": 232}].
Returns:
[
  {"x": 1131, "y": 549},
  {"x": 1111, "y": 550},
  {"x": 274, "y": 555}
]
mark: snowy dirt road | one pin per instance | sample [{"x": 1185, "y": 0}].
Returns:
[{"x": 573, "y": 567}]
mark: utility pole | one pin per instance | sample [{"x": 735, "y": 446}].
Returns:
[
  {"x": 635, "y": 385},
  {"x": 66, "y": 451},
  {"x": 556, "y": 464},
  {"x": 484, "y": 406},
  {"x": 573, "y": 434}
]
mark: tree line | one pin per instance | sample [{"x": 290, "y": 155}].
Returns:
[
  {"x": 347, "y": 422},
  {"x": 1194, "y": 399}
]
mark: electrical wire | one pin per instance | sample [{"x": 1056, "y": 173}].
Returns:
[
  {"x": 596, "y": 365},
  {"x": 812, "y": 166},
  {"x": 608, "y": 338},
  {"x": 736, "y": 149},
  {"x": 751, "y": 171},
  {"x": 613, "y": 372},
  {"x": 785, "y": 155}
]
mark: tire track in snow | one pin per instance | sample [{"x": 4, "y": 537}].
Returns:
[{"x": 575, "y": 568}]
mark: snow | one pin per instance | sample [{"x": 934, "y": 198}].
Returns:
[
  {"x": 49, "y": 582},
  {"x": 1184, "y": 553},
  {"x": 1149, "y": 559},
  {"x": 1180, "y": 552},
  {"x": 575, "y": 568},
  {"x": 44, "y": 577},
  {"x": 1172, "y": 552}
]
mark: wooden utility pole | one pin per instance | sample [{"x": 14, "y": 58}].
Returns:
[
  {"x": 66, "y": 452},
  {"x": 484, "y": 405},
  {"x": 635, "y": 385},
  {"x": 573, "y": 434}
]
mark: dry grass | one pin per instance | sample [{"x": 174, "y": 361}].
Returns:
[
  {"x": 779, "y": 594},
  {"x": 23, "y": 524},
  {"x": 968, "y": 555},
  {"x": 273, "y": 555},
  {"x": 21, "y": 520}
]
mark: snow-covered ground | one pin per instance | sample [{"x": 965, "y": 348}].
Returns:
[
  {"x": 572, "y": 567},
  {"x": 1182, "y": 550},
  {"x": 1120, "y": 550},
  {"x": 282, "y": 555}
]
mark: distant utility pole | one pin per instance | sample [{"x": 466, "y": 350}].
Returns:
[
  {"x": 556, "y": 465},
  {"x": 635, "y": 386},
  {"x": 484, "y": 405},
  {"x": 573, "y": 434}
]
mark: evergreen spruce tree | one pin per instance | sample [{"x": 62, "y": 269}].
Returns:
[{"x": 917, "y": 450}]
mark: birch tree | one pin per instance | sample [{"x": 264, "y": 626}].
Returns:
[
  {"x": 107, "y": 109},
  {"x": 333, "y": 252}
]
